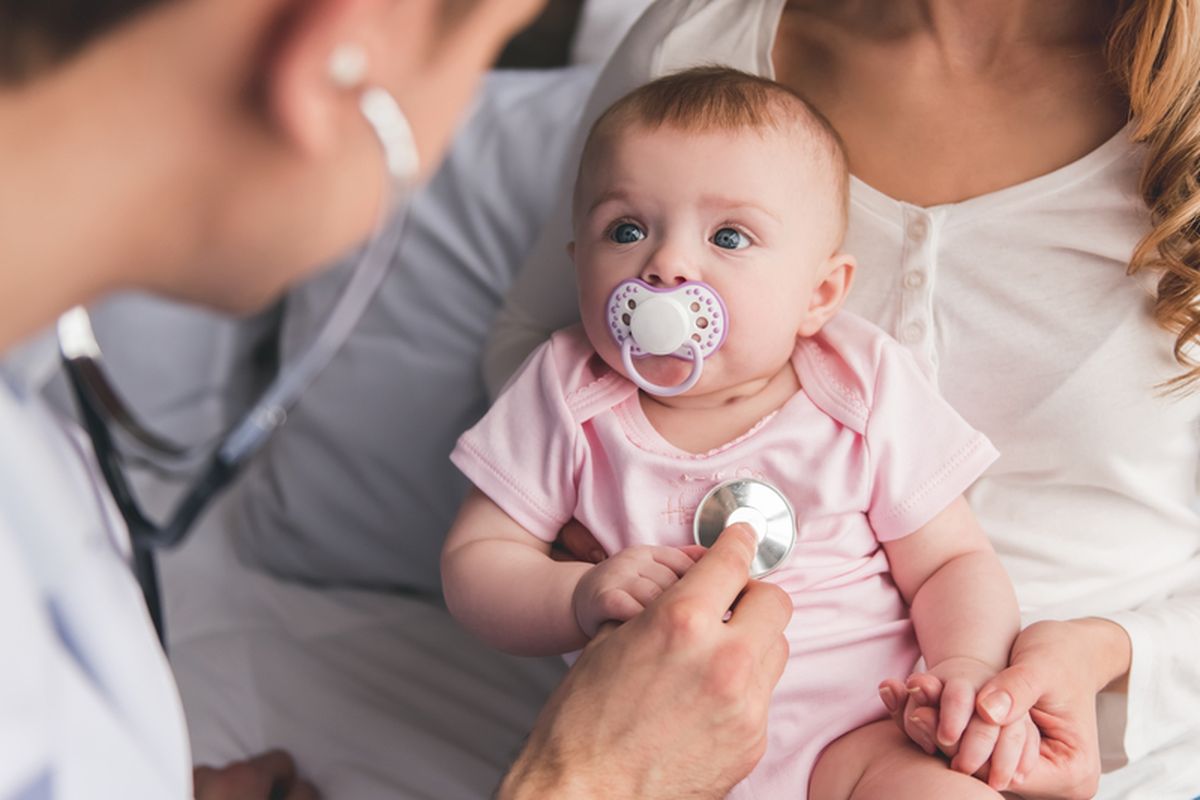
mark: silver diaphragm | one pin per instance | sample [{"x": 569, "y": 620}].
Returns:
[{"x": 756, "y": 503}]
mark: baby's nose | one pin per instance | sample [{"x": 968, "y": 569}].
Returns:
[{"x": 668, "y": 268}]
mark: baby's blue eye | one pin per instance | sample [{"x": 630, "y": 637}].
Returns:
[
  {"x": 627, "y": 233},
  {"x": 730, "y": 239}
]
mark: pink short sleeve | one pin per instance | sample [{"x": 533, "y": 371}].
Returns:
[
  {"x": 923, "y": 454},
  {"x": 523, "y": 453}
]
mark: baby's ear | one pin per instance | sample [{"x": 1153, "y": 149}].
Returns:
[
  {"x": 833, "y": 284},
  {"x": 571, "y": 250}
]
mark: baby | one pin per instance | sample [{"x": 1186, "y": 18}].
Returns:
[{"x": 709, "y": 213}]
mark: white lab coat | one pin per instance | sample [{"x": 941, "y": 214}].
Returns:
[{"x": 88, "y": 706}]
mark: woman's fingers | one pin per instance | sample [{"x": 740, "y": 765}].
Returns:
[
  {"x": 1009, "y": 696},
  {"x": 1030, "y": 751},
  {"x": 579, "y": 542},
  {"x": 975, "y": 748},
  {"x": 1010, "y": 745}
]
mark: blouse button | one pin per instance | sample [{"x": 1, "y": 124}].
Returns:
[
  {"x": 913, "y": 332},
  {"x": 914, "y": 279},
  {"x": 917, "y": 229}
]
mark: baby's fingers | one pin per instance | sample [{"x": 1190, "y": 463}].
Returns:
[
  {"x": 955, "y": 711},
  {"x": 1010, "y": 745},
  {"x": 660, "y": 575},
  {"x": 617, "y": 605},
  {"x": 644, "y": 591},
  {"x": 675, "y": 559},
  {"x": 923, "y": 689},
  {"x": 976, "y": 746}
]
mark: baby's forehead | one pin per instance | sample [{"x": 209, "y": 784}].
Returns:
[{"x": 781, "y": 154}]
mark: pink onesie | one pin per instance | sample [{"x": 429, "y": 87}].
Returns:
[{"x": 867, "y": 452}]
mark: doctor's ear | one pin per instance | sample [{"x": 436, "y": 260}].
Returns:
[
  {"x": 325, "y": 52},
  {"x": 571, "y": 250},
  {"x": 833, "y": 284}
]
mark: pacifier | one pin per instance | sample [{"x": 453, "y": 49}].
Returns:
[{"x": 687, "y": 322}]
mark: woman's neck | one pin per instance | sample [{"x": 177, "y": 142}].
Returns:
[{"x": 972, "y": 34}]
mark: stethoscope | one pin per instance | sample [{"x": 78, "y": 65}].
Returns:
[
  {"x": 690, "y": 322},
  {"x": 100, "y": 404}
]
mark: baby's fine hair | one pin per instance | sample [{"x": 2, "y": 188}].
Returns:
[{"x": 716, "y": 98}]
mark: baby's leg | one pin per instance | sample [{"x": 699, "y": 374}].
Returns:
[{"x": 878, "y": 761}]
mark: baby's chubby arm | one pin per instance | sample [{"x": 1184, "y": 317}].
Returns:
[
  {"x": 501, "y": 584},
  {"x": 965, "y": 615}
]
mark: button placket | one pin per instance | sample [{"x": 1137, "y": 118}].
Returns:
[{"x": 915, "y": 330}]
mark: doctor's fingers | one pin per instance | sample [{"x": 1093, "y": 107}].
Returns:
[
  {"x": 761, "y": 615},
  {"x": 712, "y": 584}
]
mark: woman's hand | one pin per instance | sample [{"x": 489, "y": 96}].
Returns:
[
  {"x": 672, "y": 703},
  {"x": 576, "y": 543},
  {"x": 267, "y": 776},
  {"x": 1054, "y": 674}
]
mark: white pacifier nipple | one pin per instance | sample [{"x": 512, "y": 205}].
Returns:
[
  {"x": 659, "y": 326},
  {"x": 687, "y": 322}
]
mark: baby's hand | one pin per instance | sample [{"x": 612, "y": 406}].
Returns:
[
  {"x": 938, "y": 713},
  {"x": 621, "y": 586}
]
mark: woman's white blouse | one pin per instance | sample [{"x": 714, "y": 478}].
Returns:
[
  {"x": 1019, "y": 306},
  {"x": 88, "y": 707}
]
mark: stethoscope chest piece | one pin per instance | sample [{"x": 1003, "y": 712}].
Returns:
[{"x": 756, "y": 503}]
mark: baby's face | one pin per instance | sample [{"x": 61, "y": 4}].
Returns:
[{"x": 747, "y": 212}]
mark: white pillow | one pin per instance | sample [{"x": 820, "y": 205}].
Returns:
[{"x": 357, "y": 488}]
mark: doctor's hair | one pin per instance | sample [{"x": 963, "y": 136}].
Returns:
[
  {"x": 35, "y": 35},
  {"x": 718, "y": 98}
]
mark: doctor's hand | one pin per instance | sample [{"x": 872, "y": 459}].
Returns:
[
  {"x": 267, "y": 776},
  {"x": 672, "y": 703}
]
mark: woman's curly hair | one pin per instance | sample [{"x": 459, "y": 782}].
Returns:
[{"x": 1154, "y": 49}]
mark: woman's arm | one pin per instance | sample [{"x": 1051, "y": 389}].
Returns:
[{"x": 501, "y": 584}]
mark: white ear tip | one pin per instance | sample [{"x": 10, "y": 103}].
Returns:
[{"x": 348, "y": 65}]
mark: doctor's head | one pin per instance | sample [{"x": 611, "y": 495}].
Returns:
[
  {"x": 715, "y": 176},
  {"x": 222, "y": 138}
]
